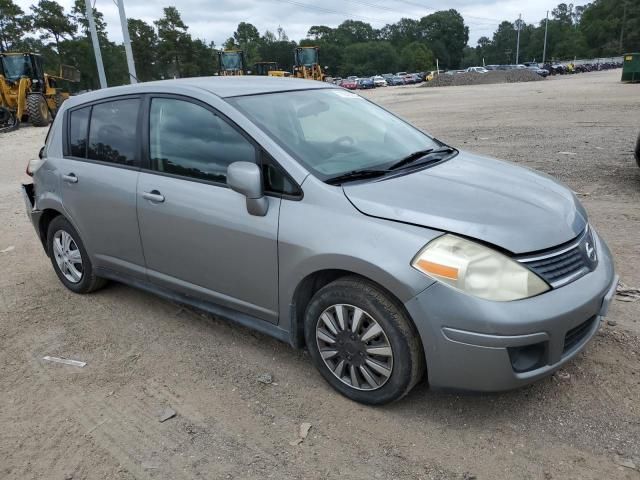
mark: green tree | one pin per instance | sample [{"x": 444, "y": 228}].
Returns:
[
  {"x": 354, "y": 31},
  {"x": 370, "y": 58},
  {"x": 416, "y": 57},
  {"x": 50, "y": 19},
  {"x": 79, "y": 17},
  {"x": 319, "y": 32},
  {"x": 144, "y": 45},
  {"x": 404, "y": 31},
  {"x": 446, "y": 35},
  {"x": 604, "y": 23},
  {"x": 13, "y": 24},
  {"x": 247, "y": 38},
  {"x": 173, "y": 37}
]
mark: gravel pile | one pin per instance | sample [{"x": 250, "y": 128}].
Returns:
[{"x": 493, "y": 76}]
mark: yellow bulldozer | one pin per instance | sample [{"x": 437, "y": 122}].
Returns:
[
  {"x": 27, "y": 93},
  {"x": 307, "y": 64},
  {"x": 231, "y": 62},
  {"x": 269, "y": 69}
]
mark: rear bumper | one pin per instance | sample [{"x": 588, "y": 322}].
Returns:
[
  {"x": 28, "y": 195},
  {"x": 475, "y": 344}
]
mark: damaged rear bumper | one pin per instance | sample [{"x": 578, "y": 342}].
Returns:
[{"x": 29, "y": 197}]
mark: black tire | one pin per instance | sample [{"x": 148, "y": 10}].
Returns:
[
  {"x": 38, "y": 110},
  {"x": 89, "y": 282},
  {"x": 408, "y": 356},
  {"x": 638, "y": 151},
  {"x": 58, "y": 99}
]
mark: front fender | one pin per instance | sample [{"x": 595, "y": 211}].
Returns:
[{"x": 325, "y": 232}]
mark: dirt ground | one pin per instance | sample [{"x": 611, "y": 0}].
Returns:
[{"x": 144, "y": 354}]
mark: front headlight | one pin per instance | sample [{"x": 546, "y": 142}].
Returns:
[{"x": 477, "y": 270}]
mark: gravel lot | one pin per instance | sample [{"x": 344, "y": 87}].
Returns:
[{"x": 144, "y": 354}]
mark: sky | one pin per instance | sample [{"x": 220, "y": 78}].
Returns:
[{"x": 216, "y": 20}]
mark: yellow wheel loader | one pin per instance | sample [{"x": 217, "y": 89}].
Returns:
[
  {"x": 269, "y": 69},
  {"x": 27, "y": 93},
  {"x": 306, "y": 64},
  {"x": 231, "y": 62}
]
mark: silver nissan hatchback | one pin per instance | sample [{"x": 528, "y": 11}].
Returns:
[{"x": 308, "y": 213}]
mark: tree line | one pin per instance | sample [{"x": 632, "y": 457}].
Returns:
[{"x": 166, "y": 49}]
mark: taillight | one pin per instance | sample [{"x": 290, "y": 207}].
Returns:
[{"x": 35, "y": 164}]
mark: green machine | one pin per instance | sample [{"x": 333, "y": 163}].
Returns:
[{"x": 631, "y": 68}]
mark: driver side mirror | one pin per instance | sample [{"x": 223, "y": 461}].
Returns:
[{"x": 246, "y": 179}]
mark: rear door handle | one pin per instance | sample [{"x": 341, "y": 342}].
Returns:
[
  {"x": 71, "y": 178},
  {"x": 154, "y": 196}
]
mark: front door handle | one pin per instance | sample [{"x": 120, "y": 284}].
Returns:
[
  {"x": 71, "y": 178},
  {"x": 154, "y": 196}
]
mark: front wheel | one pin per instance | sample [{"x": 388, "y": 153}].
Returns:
[
  {"x": 362, "y": 342},
  {"x": 38, "y": 110},
  {"x": 638, "y": 151}
]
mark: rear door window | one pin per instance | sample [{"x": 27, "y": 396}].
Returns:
[{"x": 113, "y": 133}]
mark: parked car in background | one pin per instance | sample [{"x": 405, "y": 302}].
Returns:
[
  {"x": 365, "y": 83},
  {"x": 352, "y": 77},
  {"x": 351, "y": 84},
  {"x": 337, "y": 80},
  {"x": 477, "y": 70},
  {"x": 397, "y": 80},
  {"x": 492, "y": 67},
  {"x": 379, "y": 81},
  {"x": 312, "y": 215},
  {"x": 540, "y": 71},
  {"x": 416, "y": 78}
]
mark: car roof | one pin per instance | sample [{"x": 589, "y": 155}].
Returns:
[{"x": 221, "y": 86}]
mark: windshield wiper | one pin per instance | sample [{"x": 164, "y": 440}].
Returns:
[
  {"x": 419, "y": 155},
  {"x": 355, "y": 175}
]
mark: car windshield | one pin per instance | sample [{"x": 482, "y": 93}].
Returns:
[{"x": 333, "y": 131}]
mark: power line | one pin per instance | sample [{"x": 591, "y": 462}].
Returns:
[
  {"x": 381, "y": 7},
  {"x": 329, "y": 10}
]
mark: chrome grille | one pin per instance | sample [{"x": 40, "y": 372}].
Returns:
[{"x": 564, "y": 264}]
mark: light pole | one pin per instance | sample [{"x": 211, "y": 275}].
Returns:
[
  {"x": 96, "y": 44},
  {"x": 133, "y": 78},
  {"x": 544, "y": 49},
  {"x": 518, "y": 41}
]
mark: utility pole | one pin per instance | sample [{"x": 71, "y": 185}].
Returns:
[
  {"x": 96, "y": 45},
  {"x": 544, "y": 49},
  {"x": 624, "y": 19},
  {"x": 133, "y": 78},
  {"x": 518, "y": 42}
]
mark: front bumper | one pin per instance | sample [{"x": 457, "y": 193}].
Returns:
[{"x": 472, "y": 344}]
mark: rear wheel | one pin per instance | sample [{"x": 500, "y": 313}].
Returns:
[
  {"x": 38, "y": 110},
  {"x": 362, "y": 342},
  {"x": 638, "y": 151},
  {"x": 70, "y": 259}
]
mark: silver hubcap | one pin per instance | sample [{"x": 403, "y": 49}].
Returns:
[
  {"x": 354, "y": 347},
  {"x": 67, "y": 255}
]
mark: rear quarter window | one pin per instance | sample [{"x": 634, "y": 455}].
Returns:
[{"x": 78, "y": 130}]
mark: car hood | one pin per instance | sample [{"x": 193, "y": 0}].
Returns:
[{"x": 508, "y": 206}]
